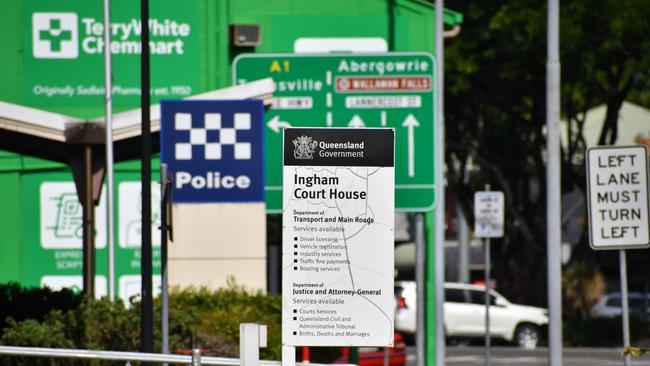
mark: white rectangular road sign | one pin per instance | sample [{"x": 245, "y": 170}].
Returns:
[
  {"x": 617, "y": 184},
  {"x": 338, "y": 237},
  {"x": 488, "y": 214}
]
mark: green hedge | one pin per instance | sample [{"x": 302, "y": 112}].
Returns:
[
  {"x": 604, "y": 332},
  {"x": 20, "y": 303},
  {"x": 198, "y": 317}
]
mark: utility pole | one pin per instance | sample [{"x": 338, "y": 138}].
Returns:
[
  {"x": 553, "y": 193},
  {"x": 440, "y": 188},
  {"x": 146, "y": 315}
]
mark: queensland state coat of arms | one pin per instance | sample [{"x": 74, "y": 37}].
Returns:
[{"x": 304, "y": 147}]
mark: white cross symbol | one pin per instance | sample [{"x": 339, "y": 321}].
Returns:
[{"x": 212, "y": 122}]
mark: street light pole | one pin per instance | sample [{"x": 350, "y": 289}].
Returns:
[
  {"x": 146, "y": 315},
  {"x": 553, "y": 199},
  {"x": 440, "y": 189}
]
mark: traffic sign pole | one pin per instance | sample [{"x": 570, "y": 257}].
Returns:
[
  {"x": 440, "y": 189},
  {"x": 553, "y": 193},
  {"x": 487, "y": 302},
  {"x": 420, "y": 263},
  {"x": 625, "y": 303},
  {"x": 487, "y": 296}
]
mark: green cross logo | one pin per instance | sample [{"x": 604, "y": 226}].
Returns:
[{"x": 55, "y": 35}]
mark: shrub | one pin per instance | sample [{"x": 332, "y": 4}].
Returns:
[
  {"x": 603, "y": 332},
  {"x": 198, "y": 317},
  {"x": 22, "y": 303},
  {"x": 210, "y": 319},
  {"x": 51, "y": 332}
]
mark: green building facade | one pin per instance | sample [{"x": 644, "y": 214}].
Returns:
[{"x": 56, "y": 64}]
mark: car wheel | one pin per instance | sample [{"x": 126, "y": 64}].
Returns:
[{"x": 527, "y": 336}]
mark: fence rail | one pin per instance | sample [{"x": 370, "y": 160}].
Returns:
[{"x": 128, "y": 356}]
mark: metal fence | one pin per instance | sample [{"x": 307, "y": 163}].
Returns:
[
  {"x": 195, "y": 360},
  {"x": 251, "y": 338}
]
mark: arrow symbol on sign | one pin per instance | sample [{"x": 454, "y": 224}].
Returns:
[
  {"x": 356, "y": 121},
  {"x": 411, "y": 122},
  {"x": 275, "y": 124}
]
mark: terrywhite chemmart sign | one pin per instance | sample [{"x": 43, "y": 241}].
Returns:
[
  {"x": 65, "y": 39},
  {"x": 57, "y": 35}
]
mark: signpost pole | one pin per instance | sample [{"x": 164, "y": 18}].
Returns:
[
  {"x": 487, "y": 296},
  {"x": 146, "y": 312},
  {"x": 487, "y": 302},
  {"x": 108, "y": 97},
  {"x": 553, "y": 207},
  {"x": 440, "y": 188},
  {"x": 420, "y": 282},
  {"x": 164, "y": 199},
  {"x": 624, "y": 303},
  {"x": 89, "y": 224}
]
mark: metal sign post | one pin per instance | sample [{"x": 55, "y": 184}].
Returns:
[
  {"x": 108, "y": 99},
  {"x": 553, "y": 184},
  {"x": 420, "y": 255},
  {"x": 146, "y": 306},
  {"x": 165, "y": 227},
  {"x": 617, "y": 187},
  {"x": 488, "y": 223},
  {"x": 625, "y": 304},
  {"x": 488, "y": 337}
]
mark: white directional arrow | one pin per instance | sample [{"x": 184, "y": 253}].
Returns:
[
  {"x": 356, "y": 121},
  {"x": 411, "y": 122},
  {"x": 275, "y": 124}
]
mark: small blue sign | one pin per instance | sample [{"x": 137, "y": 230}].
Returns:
[{"x": 214, "y": 149}]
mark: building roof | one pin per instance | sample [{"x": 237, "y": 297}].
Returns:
[
  {"x": 43, "y": 134},
  {"x": 633, "y": 125}
]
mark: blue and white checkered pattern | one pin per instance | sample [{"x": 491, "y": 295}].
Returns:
[
  {"x": 214, "y": 149},
  {"x": 212, "y": 125}
]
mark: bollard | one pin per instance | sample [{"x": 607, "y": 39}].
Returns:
[
  {"x": 305, "y": 355},
  {"x": 252, "y": 337},
  {"x": 196, "y": 357},
  {"x": 288, "y": 356},
  {"x": 249, "y": 344}
]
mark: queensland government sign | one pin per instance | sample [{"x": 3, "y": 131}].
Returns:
[
  {"x": 395, "y": 90},
  {"x": 338, "y": 237}
]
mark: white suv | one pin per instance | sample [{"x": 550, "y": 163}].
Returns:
[{"x": 464, "y": 312}]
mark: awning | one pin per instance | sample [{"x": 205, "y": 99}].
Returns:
[{"x": 39, "y": 133}]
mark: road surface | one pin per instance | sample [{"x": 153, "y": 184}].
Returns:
[{"x": 508, "y": 356}]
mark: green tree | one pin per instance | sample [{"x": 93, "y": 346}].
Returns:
[{"x": 495, "y": 90}]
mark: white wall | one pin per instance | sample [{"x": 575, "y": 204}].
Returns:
[{"x": 217, "y": 240}]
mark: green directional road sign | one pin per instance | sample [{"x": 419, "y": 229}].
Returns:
[{"x": 353, "y": 90}]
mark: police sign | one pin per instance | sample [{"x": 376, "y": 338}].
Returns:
[{"x": 214, "y": 149}]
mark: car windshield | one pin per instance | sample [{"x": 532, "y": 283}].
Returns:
[
  {"x": 478, "y": 297},
  {"x": 454, "y": 295},
  {"x": 633, "y": 302}
]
